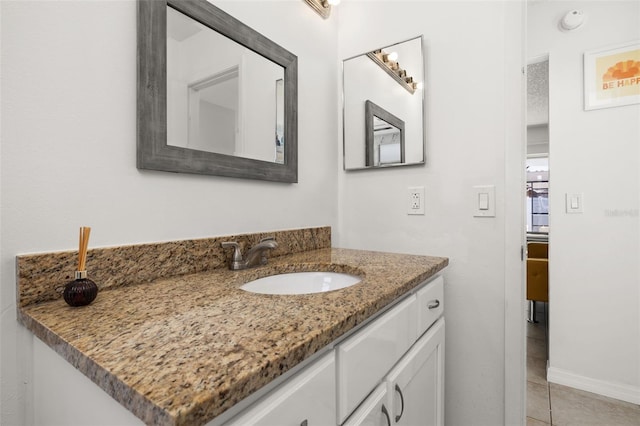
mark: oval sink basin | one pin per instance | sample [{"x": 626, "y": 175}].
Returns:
[{"x": 301, "y": 283}]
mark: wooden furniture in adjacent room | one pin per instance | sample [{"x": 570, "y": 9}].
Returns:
[{"x": 537, "y": 275}]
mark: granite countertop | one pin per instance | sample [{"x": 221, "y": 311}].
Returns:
[{"x": 184, "y": 349}]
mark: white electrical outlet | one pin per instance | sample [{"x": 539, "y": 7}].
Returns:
[{"x": 416, "y": 200}]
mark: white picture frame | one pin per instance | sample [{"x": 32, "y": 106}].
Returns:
[{"x": 612, "y": 76}]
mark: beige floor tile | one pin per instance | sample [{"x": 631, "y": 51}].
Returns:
[
  {"x": 537, "y": 370},
  {"x": 536, "y": 348},
  {"x": 572, "y": 407},
  {"x": 534, "y": 422},
  {"x": 536, "y": 331},
  {"x": 538, "y": 402}
]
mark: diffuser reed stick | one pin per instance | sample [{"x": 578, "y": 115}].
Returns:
[
  {"x": 85, "y": 231},
  {"x": 81, "y": 291}
]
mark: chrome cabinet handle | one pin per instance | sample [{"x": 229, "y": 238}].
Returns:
[
  {"x": 433, "y": 304},
  {"x": 304, "y": 423},
  {"x": 399, "y": 416},
  {"x": 386, "y": 414}
]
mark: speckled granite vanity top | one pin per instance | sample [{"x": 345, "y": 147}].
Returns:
[{"x": 183, "y": 349}]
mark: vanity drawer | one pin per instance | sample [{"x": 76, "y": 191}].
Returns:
[
  {"x": 366, "y": 357},
  {"x": 430, "y": 304},
  {"x": 307, "y": 397}
]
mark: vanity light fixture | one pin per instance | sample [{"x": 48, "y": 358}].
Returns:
[
  {"x": 392, "y": 67},
  {"x": 323, "y": 7}
]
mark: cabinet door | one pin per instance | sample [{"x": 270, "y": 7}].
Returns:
[
  {"x": 374, "y": 411},
  {"x": 306, "y": 399},
  {"x": 365, "y": 358},
  {"x": 416, "y": 383}
]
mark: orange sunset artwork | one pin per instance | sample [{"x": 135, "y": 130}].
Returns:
[{"x": 623, "y": 69}]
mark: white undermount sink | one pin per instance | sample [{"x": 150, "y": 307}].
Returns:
[{"x": 301, "y": 283}]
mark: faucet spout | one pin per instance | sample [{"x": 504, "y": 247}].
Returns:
[{"x": 255, "y": 256}]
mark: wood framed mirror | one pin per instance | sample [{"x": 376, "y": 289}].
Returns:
[{"x": 214, "y": 96}]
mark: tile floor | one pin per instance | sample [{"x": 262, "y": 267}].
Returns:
[{"x": 552, "y": 404}]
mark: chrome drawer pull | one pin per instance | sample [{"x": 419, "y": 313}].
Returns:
[
  {"x": 434, "y": 304},
  {"x": 386, "y": 414},
  {"x": 399, "y": 416}
]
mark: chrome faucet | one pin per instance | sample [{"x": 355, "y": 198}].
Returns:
[{"x": 255, "y": 256}]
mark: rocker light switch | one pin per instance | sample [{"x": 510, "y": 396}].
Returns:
[
  {"x": 484, "y": 201},
  {"x": 574, "y": 203}
]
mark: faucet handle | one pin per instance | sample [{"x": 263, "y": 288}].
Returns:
[{"x": 237, "y": 254}]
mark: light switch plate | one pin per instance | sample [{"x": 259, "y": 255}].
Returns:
[
  {"x": 484, "y": 201},
  {"x": 574, "y": 202}
]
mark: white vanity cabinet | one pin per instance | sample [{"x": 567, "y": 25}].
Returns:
[
  {"x": 307, "y": 399},
  {"x": 391, "y": 368},
  {"x": 412, "y": 393},
  {"x": 403, "y": 352},
  {"x": 415, "y": 385},
  {"x": 366, "y": 357},
  {"x": 374, "y": 411},
  {"x": 430, "y": 304}
]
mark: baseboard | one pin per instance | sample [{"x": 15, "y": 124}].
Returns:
[{"x": 619, "y": 391}]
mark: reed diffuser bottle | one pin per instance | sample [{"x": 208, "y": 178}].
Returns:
[{"x": 81, "y": 291}]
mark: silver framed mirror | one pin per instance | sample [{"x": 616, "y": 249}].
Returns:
[
  {"x": 214, "y": 96},
  {"x": 383, "y": 90}
]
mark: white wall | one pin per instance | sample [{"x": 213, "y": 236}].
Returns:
[
  {"x": 68, "y": 141},
  {"x": 468, "y": 121},
  {"x": 594, "y": 288}
]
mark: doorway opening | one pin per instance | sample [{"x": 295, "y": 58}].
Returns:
[{"x": 537, "y": 221}]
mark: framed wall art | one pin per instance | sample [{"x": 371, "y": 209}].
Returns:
[{"x": 612, "y": 76}]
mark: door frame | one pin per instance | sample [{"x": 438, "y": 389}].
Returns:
[{"x": 514, "y": 235}]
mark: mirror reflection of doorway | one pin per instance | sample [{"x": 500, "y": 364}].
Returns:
[
  {"x": 386, "y": 140},
  {"x": 384, "y": 136},
  {"x": 212, "y": 111}
]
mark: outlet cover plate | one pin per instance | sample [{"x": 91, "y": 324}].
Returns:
[{"x": 415, "y": 200}]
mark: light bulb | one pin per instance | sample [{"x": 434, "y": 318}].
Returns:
[
  {"x": 393, "y": 56},
  {"x": 333, "y": 2}
]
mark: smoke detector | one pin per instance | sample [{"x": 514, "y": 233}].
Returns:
[{"x": 572, "y": 20}]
